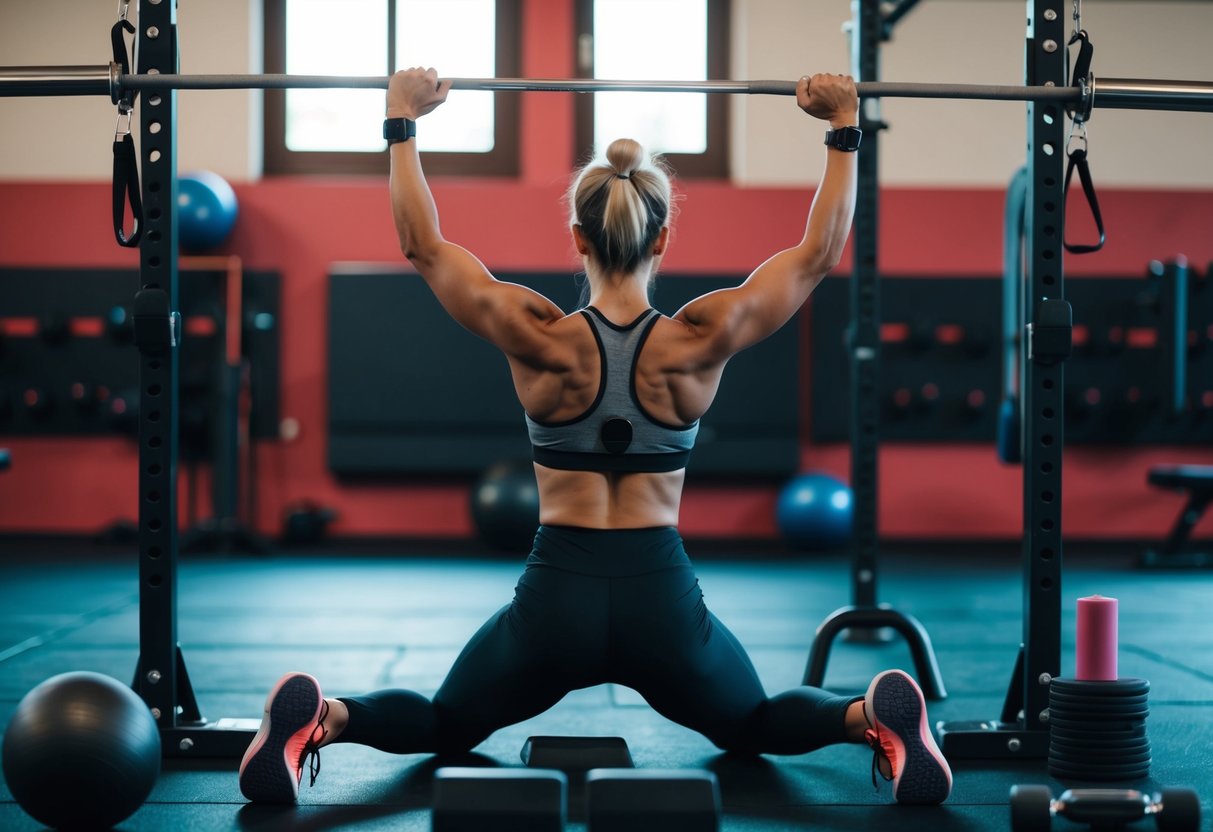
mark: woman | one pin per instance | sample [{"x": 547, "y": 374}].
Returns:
[{"x": 612, "y": 396}]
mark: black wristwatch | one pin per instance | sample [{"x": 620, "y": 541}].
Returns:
[
  {"x": 844, "y": 138},
  {"x": 398, "y": 130}
]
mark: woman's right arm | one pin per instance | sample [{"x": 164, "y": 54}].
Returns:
[
  {"x": 729, "y": 320},
  {"x": 510, "y": 316}
]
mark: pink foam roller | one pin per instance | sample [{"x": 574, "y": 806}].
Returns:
[{"x": 1096, "y": 649}]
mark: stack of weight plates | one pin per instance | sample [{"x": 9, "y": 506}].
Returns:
[{"x": 1097, "y": 730}]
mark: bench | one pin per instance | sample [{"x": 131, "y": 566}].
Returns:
[{"x": 1197, "y": 481}]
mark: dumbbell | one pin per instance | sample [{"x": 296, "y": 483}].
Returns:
[{"x": 1033, "y": 808}]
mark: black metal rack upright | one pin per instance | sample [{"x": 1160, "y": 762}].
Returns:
[
  {"x": 865, "y": 618},
  {"x": 161, "y": 678},
  {"x": 1022, "y": 730}
]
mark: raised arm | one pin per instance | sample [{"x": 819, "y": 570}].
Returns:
[
  {"x": 508, "y": 315},
  {"x": 729, "y": 320}
]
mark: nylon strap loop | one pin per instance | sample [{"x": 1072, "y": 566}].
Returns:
[
  {"x": 126, "y": 184},
  {"x": 1078, "y": 160}
]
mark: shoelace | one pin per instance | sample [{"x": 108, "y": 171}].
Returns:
[
  {"x": 310, "y": 756},
  {"x": 876, "y": 743}
]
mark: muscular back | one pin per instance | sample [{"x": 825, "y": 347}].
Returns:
[{"x": 674, "y": 384}]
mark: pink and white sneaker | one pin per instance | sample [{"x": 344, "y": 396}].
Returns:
[
  {"x": 897, "y": 712},
  {"x": 291, "y": 731}
]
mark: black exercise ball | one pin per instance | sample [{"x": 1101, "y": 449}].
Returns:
[
  {"x": 505, "y": 505},
  {"x": 81, "y": 752}
]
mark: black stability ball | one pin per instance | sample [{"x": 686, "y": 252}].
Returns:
[
  {"x": 505, "y": 505},
  {"x": 81, "y": 752}
]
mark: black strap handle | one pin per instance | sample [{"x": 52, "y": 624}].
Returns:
[
  {"x": 1078, "y": 160},
  {"x": 126, "y": 184}
]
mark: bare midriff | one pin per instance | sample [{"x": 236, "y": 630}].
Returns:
[{"x": 608, "y": 500}]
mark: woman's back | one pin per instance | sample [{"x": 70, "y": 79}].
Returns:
[{"x": 670, "y": 390}]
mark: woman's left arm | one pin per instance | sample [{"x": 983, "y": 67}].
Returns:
[{"x": 510, "y": 316}]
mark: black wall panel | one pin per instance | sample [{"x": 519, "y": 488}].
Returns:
[{"x": 411, "y": 392}]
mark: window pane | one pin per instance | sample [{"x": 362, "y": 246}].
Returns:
[
  {"x": 655, "y": 40},
  {"x": 335, "y": 119},
  {"x": 459, "y": 39}
]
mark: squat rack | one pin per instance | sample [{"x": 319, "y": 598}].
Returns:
[{"x": 162, "y": 679}]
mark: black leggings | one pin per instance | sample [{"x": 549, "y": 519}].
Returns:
[{"x": 592, "y": 607}]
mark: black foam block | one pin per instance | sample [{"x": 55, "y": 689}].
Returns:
[
  {"x": 476, "y": 799},
  {"x": 576, "y": 753},
  {"x": 652, "y": 800}
]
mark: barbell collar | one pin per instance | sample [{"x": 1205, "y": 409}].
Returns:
[{"x": 1147, "y": 94}]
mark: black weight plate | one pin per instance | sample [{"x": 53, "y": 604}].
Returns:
[
  {"x": 1098, "y": 701},
  {"x": 1082, "y": 756},
  {"x": 1127, "y": 727},
  {"x": 1098, "y": 717},
  {"x": 1101, "y": 746},
  {"x": 1082, "y": 687}
]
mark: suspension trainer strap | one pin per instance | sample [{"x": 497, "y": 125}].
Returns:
[
  {"x": 126, "y": 185},
  {"x": 1081, "y": 77},
  {"x": 126, "y": 165},
  {"x": 1078, "y": 160}
]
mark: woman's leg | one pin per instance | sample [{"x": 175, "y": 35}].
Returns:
[
  {"x": 551, "y": 639},
  {"x": 692, "y": 670}
]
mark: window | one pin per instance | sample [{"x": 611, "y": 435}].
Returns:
[
  {"x": 659, "y": 40},
  {"x": 339, "y": 131}
]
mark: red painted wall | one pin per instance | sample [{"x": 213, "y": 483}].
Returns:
[{"x": 298, "y": 226}]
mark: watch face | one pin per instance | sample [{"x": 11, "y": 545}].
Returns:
[{"x": 846, "y": 138}]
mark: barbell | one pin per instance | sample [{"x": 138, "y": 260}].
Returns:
[{"x": 1115, "y": 93}]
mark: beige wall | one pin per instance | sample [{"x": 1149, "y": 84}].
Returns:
[
  {"x": 954, "y": 144},
  {"x": 974, "y": 143},
  {"x": 70, "y": 138}
]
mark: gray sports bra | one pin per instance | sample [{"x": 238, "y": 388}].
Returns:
[{"x": 614, "y": 433}]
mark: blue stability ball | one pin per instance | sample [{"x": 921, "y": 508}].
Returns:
[
  {"x": 81, "y": 752},
  {"x": 206, "y": 210},
  {"x": 815, "y": 512}
]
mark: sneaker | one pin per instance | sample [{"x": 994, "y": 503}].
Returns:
[
  {"x": 897, "y": 713},
  {"x": 291, "y": 731}
]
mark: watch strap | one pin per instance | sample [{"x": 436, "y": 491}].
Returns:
[
  {"x": 399, "y": 130},
  {"x": 846, "y": 138}
]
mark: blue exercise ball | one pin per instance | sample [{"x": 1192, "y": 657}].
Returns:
[
  {"x": 815, "y": 512},
  {"x": 81, "y": 752},
  {"x": 206, "y": 210}
]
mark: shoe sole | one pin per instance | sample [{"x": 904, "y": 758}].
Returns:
[
  {"x": 266, "y": 775},
  {"x": 899, "y": 710}
]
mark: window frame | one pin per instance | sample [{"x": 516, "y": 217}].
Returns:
[
  {"x": 502, "y": 160},
  {"x": 713, "y": 163}
]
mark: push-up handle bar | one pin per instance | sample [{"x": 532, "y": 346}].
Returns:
[{"x": 1116, "y": 93}]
